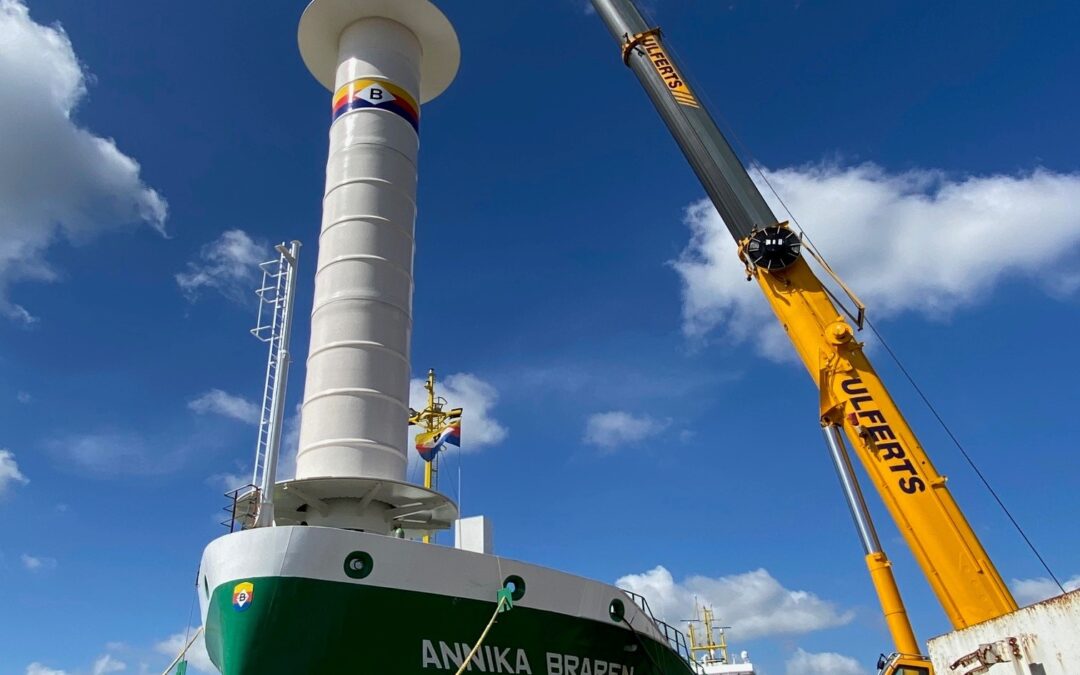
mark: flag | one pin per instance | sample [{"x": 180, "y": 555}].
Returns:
[
  {"x": 453, "y": 432},
  {"x": 429, "y": 443},
  {"x": 181, "y": 668}
]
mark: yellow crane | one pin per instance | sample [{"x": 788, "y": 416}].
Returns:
[{"x": 853, "y": 400}]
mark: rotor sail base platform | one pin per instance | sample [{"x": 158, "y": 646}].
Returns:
[{"x": 365, "y": 504}]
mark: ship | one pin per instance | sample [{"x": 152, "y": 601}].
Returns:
[
  {"x": 331, "y": 571},
  {"x": 293, "y": 597},
  {"x": 709, "y": 648}
]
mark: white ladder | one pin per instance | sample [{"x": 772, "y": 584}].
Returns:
[{"x": 272, "y": 326}]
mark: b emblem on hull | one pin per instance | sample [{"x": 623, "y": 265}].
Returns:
[{"x": 243, "y": 595}]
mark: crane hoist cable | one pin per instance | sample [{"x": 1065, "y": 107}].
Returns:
[
  {"x": 817, "y": 255},
  {"x": 960, "y": 447}
]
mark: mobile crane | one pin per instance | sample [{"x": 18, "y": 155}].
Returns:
[{"x": 853, "y": 400}]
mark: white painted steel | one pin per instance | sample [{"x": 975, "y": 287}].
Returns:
[
  {"x": 319, "y": 553},
  {"x": 366, "y": 504},
  {"x": 1047, "y": 638},
  {"x": 324, "y": 21},
  {"x": 727, "y": 669},
  {"x": 356, "y": 397},
  {"x": 278, "y": 370},
  {"x": 474, "y": 534}
]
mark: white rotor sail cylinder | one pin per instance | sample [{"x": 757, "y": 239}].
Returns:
[{"x": 356, "y": 399}]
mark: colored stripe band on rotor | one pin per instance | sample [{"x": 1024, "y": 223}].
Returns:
[{"x": 379, "y": 94}]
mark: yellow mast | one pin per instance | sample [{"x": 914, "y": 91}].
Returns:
[
  {"x": 432, "y": 417},
  {"x": 711, "y": 644}
]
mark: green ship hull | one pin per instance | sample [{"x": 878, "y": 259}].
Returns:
[
  {"x": 394, "y": 624},
  {"x": 313, "y": 626}
]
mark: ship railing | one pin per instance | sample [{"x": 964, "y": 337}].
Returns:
[
  {"x": 675, "y": 638},
  {"x": 241, "y": 509}
]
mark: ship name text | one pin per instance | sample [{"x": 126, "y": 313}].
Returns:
[{"x": 439, "y": 655}]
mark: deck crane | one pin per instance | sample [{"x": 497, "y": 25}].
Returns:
[{"x": 853, "y": 400}]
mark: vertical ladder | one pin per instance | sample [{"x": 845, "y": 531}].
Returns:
[
  {"x": 271, "y": 294},
  {"x": 273, "y": 326}
]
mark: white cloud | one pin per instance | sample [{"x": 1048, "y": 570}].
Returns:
[
  {"x": 917, "y": 241},
  {"x": 23, "y": 397},
  {"x": 36, "y": 668},
  {"x": 107, "y": 664},
  {"x": 9, "y": 471},
  {"x": 107, "y": 452},
  {"x": 290, "y": 445},
  {"x": 60, "y": 182},
  {"x": 823, "y": 663},
  {"x": 610, "y": 430},
  {"x": 37, "y": 563},
  {"x": 228, "y": 265},
  {"x": 479, "y": 428},
  {"x": 225, "y": 404},
  {"x": 286, "y": 470},
  {"x": 197, "y": 657},
  {"x": 1028, "y": 591},
  {"x": 227, "y": 482},
  {"x": 753, "y": 603},
  {"x": 116, "y": 453}
]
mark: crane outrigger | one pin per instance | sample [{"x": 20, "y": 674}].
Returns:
[{"x": 854, "y": 401}]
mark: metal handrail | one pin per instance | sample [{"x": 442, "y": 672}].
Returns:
[
  {"x": 675, "y": 638},
  {"x": 245, "y": 520}
]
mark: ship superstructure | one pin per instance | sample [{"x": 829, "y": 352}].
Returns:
[{"x": 709, "y": 648}]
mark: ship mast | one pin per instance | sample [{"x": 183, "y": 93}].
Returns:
[
  {"x": 711, "y": 643},
  {"x": 433, "y": 417}
]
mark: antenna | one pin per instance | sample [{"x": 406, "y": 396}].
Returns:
[{"x": 711, "y": 644}]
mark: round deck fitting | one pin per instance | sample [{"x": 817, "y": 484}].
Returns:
[{"x": 324, "y": 21}]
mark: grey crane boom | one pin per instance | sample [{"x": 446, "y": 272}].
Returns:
[{"x": 717, "y": 167}]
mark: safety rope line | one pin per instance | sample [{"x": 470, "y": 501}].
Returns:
[
  {"x": 480, "y": 641},
  {"x": 183, "y": 651},
  {"x": 191, "y": 607}
]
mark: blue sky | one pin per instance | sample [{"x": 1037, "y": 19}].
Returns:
[{"x": 632, "y": 405}]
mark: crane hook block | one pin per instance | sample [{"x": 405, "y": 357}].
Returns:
[{"x": 773, "y": 248}]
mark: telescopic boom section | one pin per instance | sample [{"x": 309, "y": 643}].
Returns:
[
  {"x": 719, "y": 170},
  {"x": 852, "y": 395}
]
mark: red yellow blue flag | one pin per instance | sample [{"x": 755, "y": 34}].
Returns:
[{"x": 429, "y": 443}]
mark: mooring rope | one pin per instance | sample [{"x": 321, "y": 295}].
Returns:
[
  {"x": 183, "y": 651},
  {"x": 487, "y": 629}
]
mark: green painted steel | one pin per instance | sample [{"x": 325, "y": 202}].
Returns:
[{"x": 292, "y": 625}]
